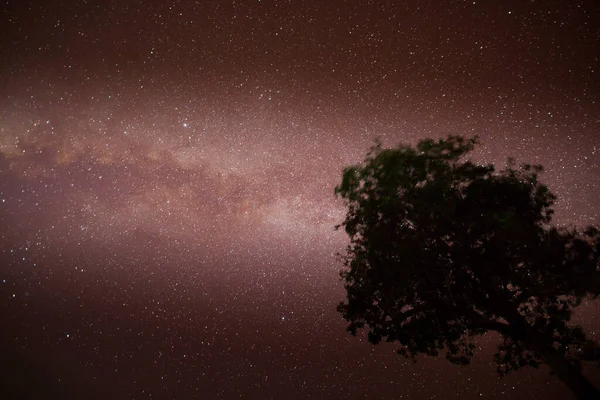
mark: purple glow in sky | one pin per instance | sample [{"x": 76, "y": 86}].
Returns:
[{"x": 167, "y": 172}]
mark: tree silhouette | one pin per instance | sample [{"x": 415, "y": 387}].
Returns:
[{"x": 443, "y": 250}]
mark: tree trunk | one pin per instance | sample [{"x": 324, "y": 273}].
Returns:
[
  {"x": 542, "y": 345},
  {"x": 570, "y": 375}
]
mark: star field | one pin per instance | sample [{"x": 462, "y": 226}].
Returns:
[{"x": 167, "y": 174}]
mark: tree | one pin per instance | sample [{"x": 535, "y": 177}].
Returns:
[{"x": 443, "y": 250}]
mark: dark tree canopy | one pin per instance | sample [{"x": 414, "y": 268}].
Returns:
[{"x": 442, "y": 250}]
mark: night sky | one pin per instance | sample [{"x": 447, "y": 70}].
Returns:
[{"x": 167, "y": 172}]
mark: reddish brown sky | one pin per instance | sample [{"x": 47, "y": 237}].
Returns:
[{"x": 167, "y": 174}]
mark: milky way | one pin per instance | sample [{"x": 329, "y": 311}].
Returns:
[{"x": 167, "y": 173}]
